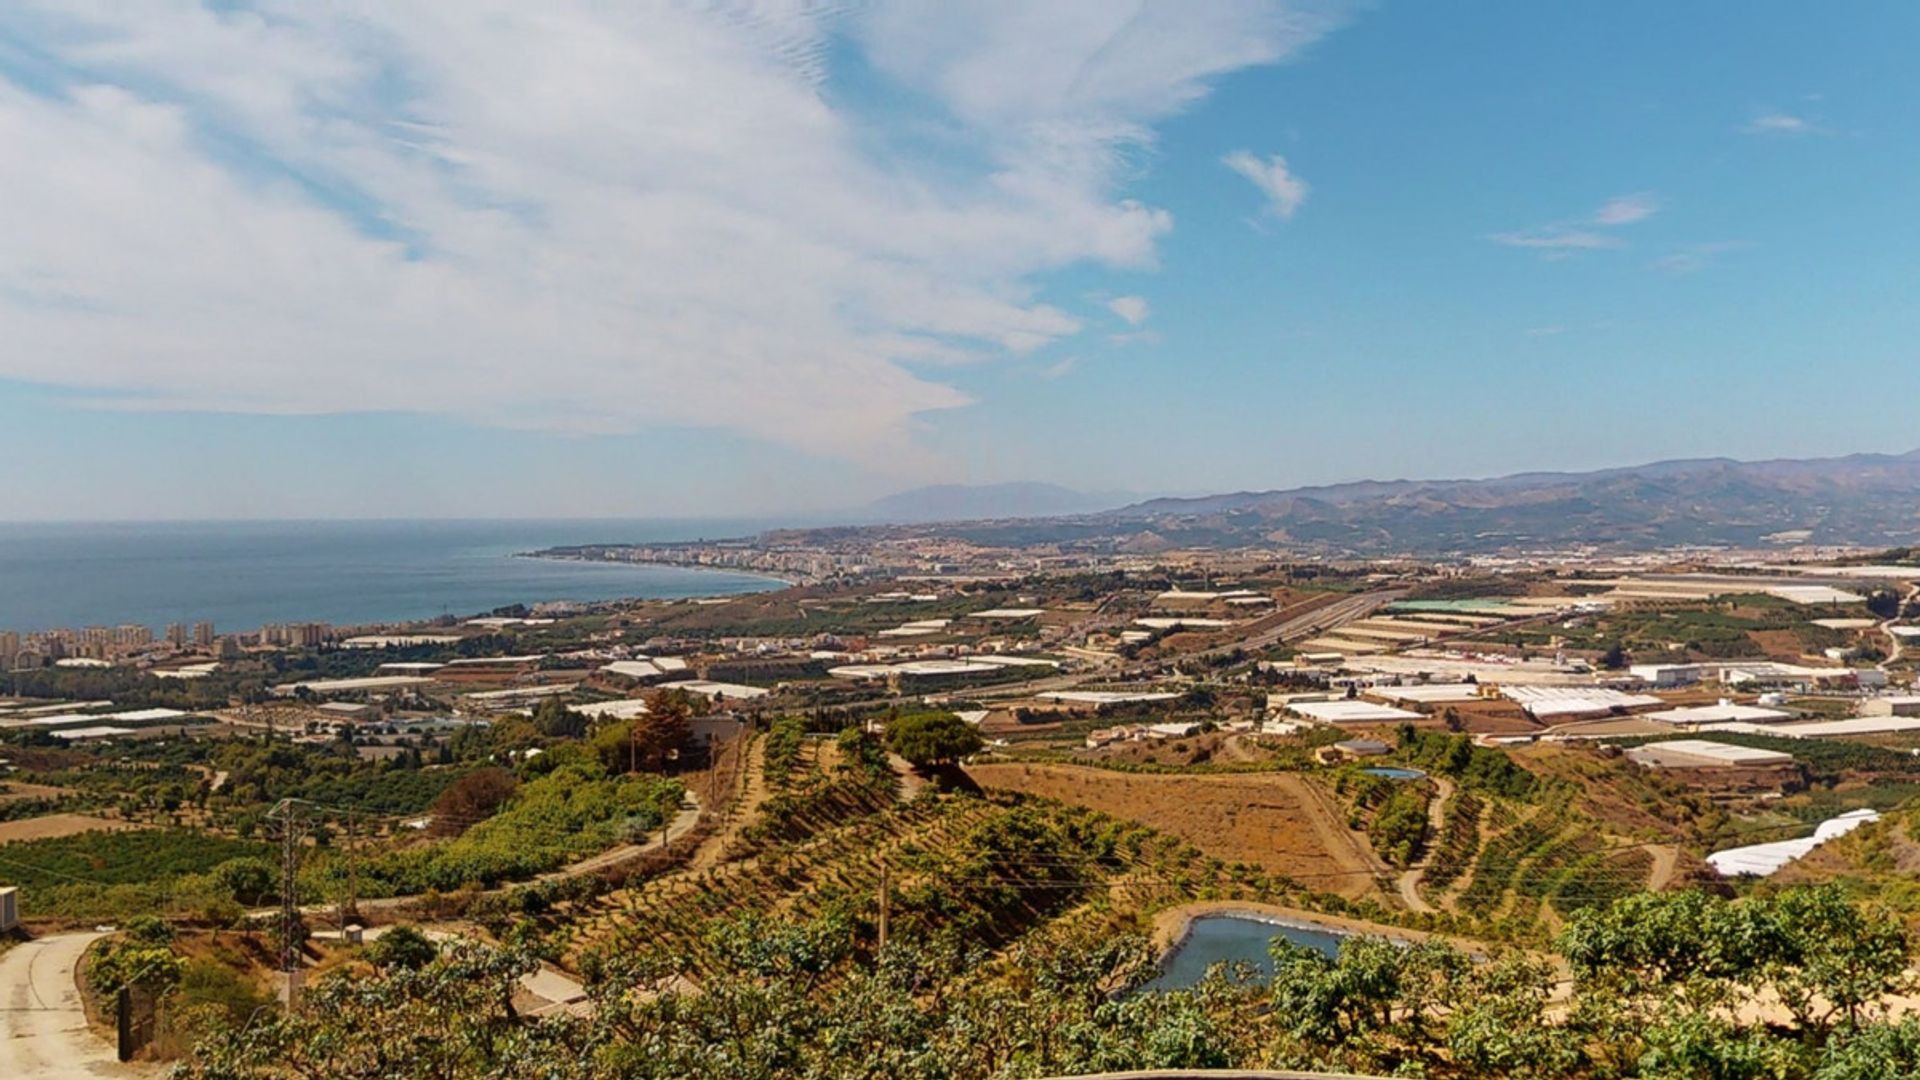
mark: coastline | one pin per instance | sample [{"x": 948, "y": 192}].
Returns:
[
  {"x": 379, "y": 574},
  {"x": 785, "y": 581}
]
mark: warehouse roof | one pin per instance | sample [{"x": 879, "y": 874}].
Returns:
[
  {"x": 1724, "y": 712},
  {"x": 1704, "y": 753},
  {"x": 1350, "y": 712}
]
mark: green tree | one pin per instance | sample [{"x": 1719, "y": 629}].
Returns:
[
  {"x": 553, "y": 719},
  {"x": 402, "y": 947},
  {"x": 929, "y": 739},
  {"x": 249, "y": 881}
]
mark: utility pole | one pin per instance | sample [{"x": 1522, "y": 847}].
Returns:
[
  {"x": 350, "y": 907},
  {"x": 886, "y": 901},
  {"x": 287, "y": 813}
]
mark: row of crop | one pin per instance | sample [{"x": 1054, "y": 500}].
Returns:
[
  {"x": 1459, "y": 840},
  {"x": 1505, "y": 855},
  {"x": 113, "y": 875},
  {"x": 784, "y": 743}
]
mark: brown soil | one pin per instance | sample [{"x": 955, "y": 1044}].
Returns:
[
  {"x": 1279, "y": 821},
  {"x": 1192, "y": 750},
  {"x": 1779, "y": 644},
  {"x": 1488, "y": 717},
  {"x": 15, "y": 791},
  {"x": 52, "y": 825}
]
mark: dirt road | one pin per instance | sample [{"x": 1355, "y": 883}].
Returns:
[
  {"x": 43, "y": 1029},
  {"x": 1409, "y": 882},
  {"x": 682, "y": 824}
]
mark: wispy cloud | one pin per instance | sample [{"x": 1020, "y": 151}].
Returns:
[
  {"x": 1132, "y": 309},
  {"x": 1061, "y": 368},
  {"x": 1591, "y": 233},
  {"x": 574, "y": 215},
  {"x": 1779, "y": 123},
  {"x": 1558, "y": 238},
  {"x": 1626, "y": 209},
  {"x": 1686, "y": 260},
  {"x": 1283, "y": 190}
]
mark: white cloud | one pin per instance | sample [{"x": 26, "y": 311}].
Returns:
[
  {"x": 1626, "y": 210},
  {"x": 1132, "y": 309},
  {"x": 1779, "y": 123},
  {"x": 1284, "y": 191},
  {"x": 1557, "y": 238},
  {"x": 1061, "y": 369},
  {"x": 573, "y": 215},
  {"x": 1565, "y": 238},
  {"x": 1694, "y": 257}
]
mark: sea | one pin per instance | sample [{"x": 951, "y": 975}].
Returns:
[{"x": 241, "y": 575}]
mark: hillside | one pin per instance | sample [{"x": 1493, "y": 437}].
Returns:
[{"x": 1859, "y": 499}]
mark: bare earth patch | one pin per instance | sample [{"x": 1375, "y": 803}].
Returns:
[
  {"x": 1278, "y": 821},
  {"x": 52, "y": 825}
]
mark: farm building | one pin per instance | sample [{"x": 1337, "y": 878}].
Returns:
[
  {"x": 1350, "y": 712},
  {"x": 1897, "y": 705},
  {"x": 1725, "y": 712},
  {"x": 1722, "y": 766},
  {"x": 1557, "y": 704}
]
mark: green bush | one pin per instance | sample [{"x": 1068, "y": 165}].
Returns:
[{"x": 573, "y": 812}]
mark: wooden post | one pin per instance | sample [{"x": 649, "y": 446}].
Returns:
[{"x": 886, "y": 902}]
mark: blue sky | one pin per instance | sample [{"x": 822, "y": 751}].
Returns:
[{"x": 640, "y": 260}]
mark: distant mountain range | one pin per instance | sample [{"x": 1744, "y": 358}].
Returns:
[
  {"x": 968, "y": 502},
  {"x": 1864, "y": 499}
]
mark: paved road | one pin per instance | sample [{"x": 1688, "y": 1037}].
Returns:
[
  {"x": 43, "y": 1029},
  {"x": 1320, "y": 620}
]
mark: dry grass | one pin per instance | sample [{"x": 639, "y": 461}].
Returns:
[
  {"x": 1278, "y": 821},
  {"x": 54, "y": 825}
]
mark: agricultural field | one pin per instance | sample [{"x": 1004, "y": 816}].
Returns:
[
  {"x": 1281, "y": 822},
  {"x": 53, "y": 826},
  {"x": 1727, "y": 628},
  {"x": 112, "y": 874}
]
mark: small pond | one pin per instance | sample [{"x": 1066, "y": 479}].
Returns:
[
  {"x": 1395, "y": 772},
  {"x": 1213, "y": 939}
]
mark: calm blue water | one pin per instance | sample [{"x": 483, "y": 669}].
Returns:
[
  {"x": 239, "y": 575},
  {"x": 1215, "y": 939},
  {"x": 1395, "y": 772}
]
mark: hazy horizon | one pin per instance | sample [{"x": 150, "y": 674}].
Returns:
[{"x": 836, "y": 515}]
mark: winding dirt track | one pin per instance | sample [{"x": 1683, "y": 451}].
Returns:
[{"x": 1409, "y": 882}]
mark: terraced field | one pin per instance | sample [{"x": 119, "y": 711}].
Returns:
[{"x": 1278, "y": 821}]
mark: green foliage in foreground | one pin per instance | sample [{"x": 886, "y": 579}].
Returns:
[{"x": 1666, "y": 987}]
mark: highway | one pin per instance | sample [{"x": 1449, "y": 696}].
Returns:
[{"x": 1313, "y": 623}]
